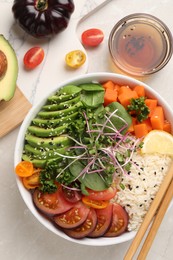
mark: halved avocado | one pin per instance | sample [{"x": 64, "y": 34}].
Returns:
[{"x": 9, "y": 75}]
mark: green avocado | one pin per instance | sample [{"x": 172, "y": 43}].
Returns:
[
  {"x": 51, "y": 143},
  {"x": 60, "y": 113},
  {"x": 42, "y": 132},
  {"x": 40, "y": 153},
  {"x": 8, "y": 77},
  {"x": 46, "y": 123}
]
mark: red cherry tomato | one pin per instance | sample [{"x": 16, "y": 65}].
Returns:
[
  {"x": 73, "y": 217},
  {"x": 92, "y": 37},
  {"x": 33, "y": 57},
  {"x": 71, "y": 195},
  {"x": 119, "y": 221},
  {"x": 51, "y": 204},
  {"x": 86, "y": 228},
  {"x": 104, "y": 217},
  {"x": 102, "y": 195}
]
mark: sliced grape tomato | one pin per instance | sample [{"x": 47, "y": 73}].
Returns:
[
  {"x": 71, "y": 195},
  {"x": 96, "y": 204},
  {"x": 102, "y": 195},
  {"x": 86, "y": 228},
  {"x": 73, "y": 217},
  {"x": 119, "y": 221},
  {"x": 104, "y": 218},
  {"x": 92, "y": 37},
  {"x": 24, "y": 169},
  {"x": 33, "y": 57},
  {"x": 51, "y": 203}
]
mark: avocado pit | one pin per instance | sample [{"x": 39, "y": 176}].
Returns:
[{"x": 3, "y": 64}]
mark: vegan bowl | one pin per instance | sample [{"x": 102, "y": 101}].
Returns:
[{"x": 85, "y": 167}]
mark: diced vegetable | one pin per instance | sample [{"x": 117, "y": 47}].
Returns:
[
  {"x": 125, "y": 95},
  {"x": 110, "y": 96},
  {"x": 157, "y": 118},
  {"x": 151, "y": 104},
  {"x": 140, "y": 130},
  {"x": 140, "y": 90}
]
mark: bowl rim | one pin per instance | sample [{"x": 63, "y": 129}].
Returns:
[
  {"x": 161, "y": 26},
  {"x": 25, "y": 194}
]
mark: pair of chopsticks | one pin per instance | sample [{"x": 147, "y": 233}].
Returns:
[{"x": 156, "y": 213}]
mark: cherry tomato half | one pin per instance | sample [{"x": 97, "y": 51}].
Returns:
[
  {"x": 33, "y": 57},
  {"x": 51, "y": 204},
  {"x": 104, "y": 217},
  {"x": 32, "y": 181},
  {"x": 24, "y": 169},
  {"x": 96, "y": 204},
  {"x": 119, "y": 221},
  {"x": 71, "y": 195},
  {"x": 73, "y": 217},
  {"x": 86, "y": 228},
  {"x": 75, "y": 59},
  {"x": 102, "y": 195},
  {"x": 92, "y": 37}
]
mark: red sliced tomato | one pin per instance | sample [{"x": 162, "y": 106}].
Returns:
[
  {"x": 104, "y": 217},
  {"x": 33, "y": 57},
  {"x": 71, "y": 195},
  {"x": 73, "y": 217},
  {"x": 119, "y": 221},
  {"x": 86, "y": 228},
  {"x": 51, "y": 204},
  {"x": 102, "y": 195},
  {"x": 92, "y": 37}
]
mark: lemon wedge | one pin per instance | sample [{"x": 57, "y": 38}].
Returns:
[{"x": 157, "y": 141}]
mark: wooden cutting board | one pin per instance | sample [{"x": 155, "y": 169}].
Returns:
[{"x": 13, "y": 112}]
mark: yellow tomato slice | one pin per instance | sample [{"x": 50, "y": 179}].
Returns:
[
  {"x": 96, "y": 204},
  {"x": 75, "y": 59},
  {"x": 24, "y": 169},
  {"x": 32, "y": 181}
]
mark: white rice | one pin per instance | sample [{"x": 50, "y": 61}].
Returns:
[{"x": 141, "y": 185}]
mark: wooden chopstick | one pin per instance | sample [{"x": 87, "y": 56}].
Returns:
[
  {"x": 150, "y": 215},
  {"x": 156, "y": 223}
]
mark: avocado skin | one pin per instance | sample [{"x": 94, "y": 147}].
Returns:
[{"x": 8, "y": 81}]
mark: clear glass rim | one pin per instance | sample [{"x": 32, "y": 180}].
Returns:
[{"x": 161, "y": 26}]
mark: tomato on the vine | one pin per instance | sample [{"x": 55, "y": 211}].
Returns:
[
  {"x": 33, "y": 57},
  {"x": 75, "y": 59},
  {"x": 92, "y": 37}
]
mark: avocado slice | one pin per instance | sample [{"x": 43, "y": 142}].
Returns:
[
  {"x": 60, "y": 113},
  {"x": 40, "y": 153},
  {"x": 46, "y": 123},
  {"x": 40, "y": 163},
  {"x": 42, "y": 132},
  {"x": 51, "y": 143},
  {"x": 9, "y": 76},
  {"x": 62, "y": 105}
]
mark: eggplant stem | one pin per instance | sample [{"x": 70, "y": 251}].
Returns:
[{"x": 41, "y": 5}]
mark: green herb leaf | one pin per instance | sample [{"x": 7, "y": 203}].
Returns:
[{"x": 138, "y": 108}]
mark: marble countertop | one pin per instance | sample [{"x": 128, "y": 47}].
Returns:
[{"x": 22, "y": 237}]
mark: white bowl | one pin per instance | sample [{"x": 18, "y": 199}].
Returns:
[{"x": 103, "y": 76}]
